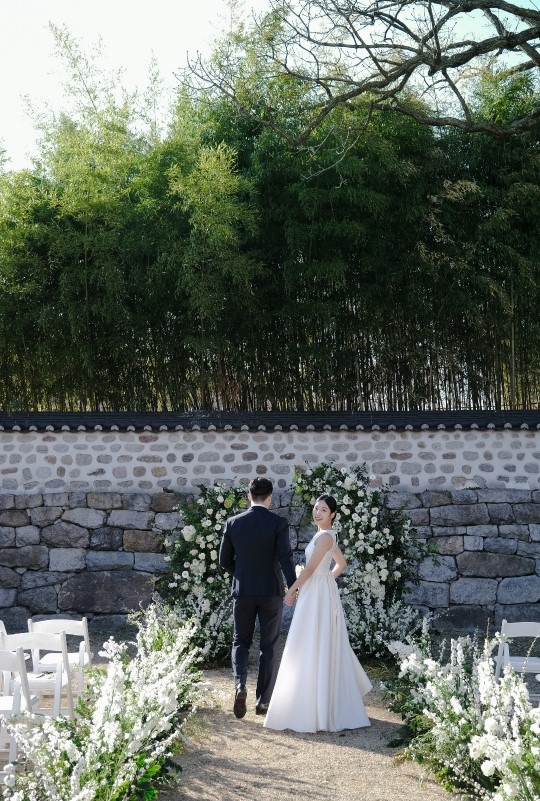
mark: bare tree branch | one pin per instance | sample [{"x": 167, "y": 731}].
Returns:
[{"x": 384, "y": 51}]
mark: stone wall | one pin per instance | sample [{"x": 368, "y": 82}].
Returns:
[
  {"x": 488, "y": 563},
  {"x": 97, "y": 553},
  {"x": 92, "y": 553},
  {"x": 148, "y": 461}
]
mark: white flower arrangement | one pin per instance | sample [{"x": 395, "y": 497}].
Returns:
[
  {"x": 126, "y": 726},
  {"x": 479, "y": 734},
  {"x": 381, "y": 550},
  {"x": 196, "y": 587}
]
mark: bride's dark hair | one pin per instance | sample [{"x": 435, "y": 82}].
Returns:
[{"x": 330, "y": 501}]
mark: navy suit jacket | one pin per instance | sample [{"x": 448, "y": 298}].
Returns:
[{"x": 255, "y": 549}]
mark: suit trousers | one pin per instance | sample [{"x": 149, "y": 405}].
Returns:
[{"x": 269, "y": 610}]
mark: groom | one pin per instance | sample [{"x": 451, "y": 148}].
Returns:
[{"x": 255, "y": 549}]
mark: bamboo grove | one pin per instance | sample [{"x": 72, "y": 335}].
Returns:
[{"x": 212, "y": 266}]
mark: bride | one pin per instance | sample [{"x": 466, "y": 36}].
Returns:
[{"x": 320, "y": 683}]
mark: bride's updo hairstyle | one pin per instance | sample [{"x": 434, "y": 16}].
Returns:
[{"x": 330, "y": 501}]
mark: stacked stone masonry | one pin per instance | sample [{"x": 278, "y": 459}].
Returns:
[
  {"x": 487, "y": 565},
  {"x": 98, "y": 553},
  {"x": 94, "y": 554},
  {"x": 149, "y": 461}
]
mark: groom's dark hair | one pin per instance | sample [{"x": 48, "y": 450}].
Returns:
[{"x": 260, "y": 488}]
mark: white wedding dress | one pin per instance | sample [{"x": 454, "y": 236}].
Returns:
[{"x": 320, "y": 683}]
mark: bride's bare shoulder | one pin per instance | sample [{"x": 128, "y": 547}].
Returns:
[{"x": 327, "y": 534}]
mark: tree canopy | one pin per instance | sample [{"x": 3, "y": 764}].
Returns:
[{"x": 209, "y": 265}]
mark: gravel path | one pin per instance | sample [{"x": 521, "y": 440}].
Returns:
[{"x": 238, "y": 760}]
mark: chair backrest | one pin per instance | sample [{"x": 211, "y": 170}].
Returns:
[
  {"x": 520, "y": 663},
  {"x": 30, "y": 641},
  {"x": 55, "y": 625},
  {"x": 522, "y": 629},
  {"x": 42, "y": 641},
  {"x": 13, "y": 662}
]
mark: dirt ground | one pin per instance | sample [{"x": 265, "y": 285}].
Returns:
[
  {"x": 238, "y": 760},
  {"x": 225, "y": 759}
]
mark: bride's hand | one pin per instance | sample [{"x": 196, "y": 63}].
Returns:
[{"x": 289, "y": 598}]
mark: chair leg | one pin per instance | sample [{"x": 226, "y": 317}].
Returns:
[{"x": 57, "y": 703}]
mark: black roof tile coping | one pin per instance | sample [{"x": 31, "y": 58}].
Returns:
[{"x": 269, "y": 421}]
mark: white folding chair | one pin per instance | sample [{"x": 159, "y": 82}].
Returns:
[
  {"x": 53, "y": 683},
  {"x": 5, "y": 684},
  {"x": 520, "y": 663},
  {"x": 79, "y": 659},
  {"x": 15, "y": 696}
]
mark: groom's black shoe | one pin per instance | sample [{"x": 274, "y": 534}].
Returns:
[
  {"x": 239, "y": 707},
  {"x": 261, "y": 709}
]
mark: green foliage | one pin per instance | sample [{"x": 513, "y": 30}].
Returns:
[{"x": 210, "y": 265}]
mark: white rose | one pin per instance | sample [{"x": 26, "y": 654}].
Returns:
[{"x": 188, "y": 532}]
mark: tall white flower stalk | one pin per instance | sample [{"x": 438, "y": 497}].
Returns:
[
  {"x": 381, "y": 549},
  {"x": 127, "y": 727},
  {"x": 476, "y": 733},
  {"x": 508, "y": 742}
]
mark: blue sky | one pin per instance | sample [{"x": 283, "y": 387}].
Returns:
[{"x": 131, "y": 30}]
